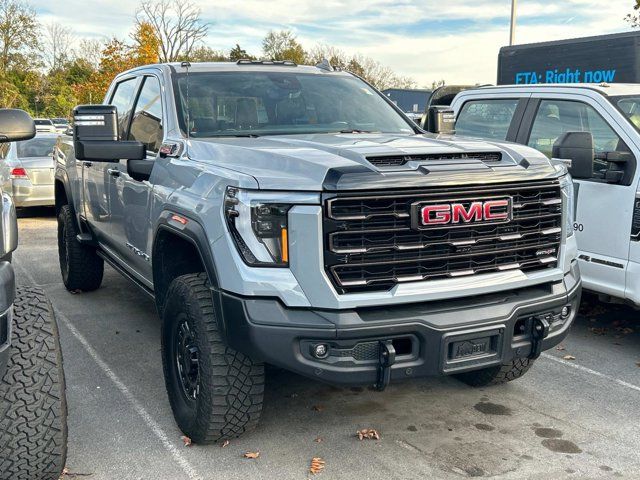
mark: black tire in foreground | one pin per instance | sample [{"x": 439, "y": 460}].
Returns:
[
  {"x": 496, "y": 375},
  {"x": 80, "y": 265},
  {"x": 215, "y": 392},
  {"x": 33, "y": 408}
]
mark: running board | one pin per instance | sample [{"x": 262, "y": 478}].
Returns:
[{"x": 125, "y": 274}]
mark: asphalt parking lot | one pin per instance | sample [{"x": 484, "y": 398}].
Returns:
[{"x": 564, "y": 419}]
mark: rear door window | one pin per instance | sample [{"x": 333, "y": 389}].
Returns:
[{"x": 486, "y": 118}]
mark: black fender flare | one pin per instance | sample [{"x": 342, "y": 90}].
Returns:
[
  {"x": 62, "y": 177},
  {"x": 193, "y": 232}
]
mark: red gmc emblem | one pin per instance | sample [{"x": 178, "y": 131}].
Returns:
[{"x": 495, "y": 211}]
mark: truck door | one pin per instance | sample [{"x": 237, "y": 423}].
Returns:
[
  {"x": 96, "y": 175},
  {"x": 130, "y": 188},
  {"x": 603, "y": 209}
]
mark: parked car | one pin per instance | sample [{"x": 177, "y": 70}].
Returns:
[
  {"x": 604, "y": 164},
  {"x": 33, "y": 408},
  {"x": 44, "y": 125},
  {"x": 27, "y": 170},
  {"x": 293, "y": 215},
  {"x": 61, "y": 124}
]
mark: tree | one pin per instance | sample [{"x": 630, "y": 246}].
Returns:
[
  {"x": 205, "y": 54},
  {"x": 177, "y": 25},
  {"x": 18, "y": 33},
  {"x": 239, "y": 53},
  {"x": 58, "y": 41},
  {"x": 146, "y": 46},
  {"x": 634, "y": 18},
  {"x": 89, "y": 51},
  {"x": 283, "y": 45}
]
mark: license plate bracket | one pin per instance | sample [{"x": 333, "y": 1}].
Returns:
[{"x": 471, "y": 349}]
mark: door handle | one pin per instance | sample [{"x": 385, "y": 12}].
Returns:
[{"x": 114, "y": 172}]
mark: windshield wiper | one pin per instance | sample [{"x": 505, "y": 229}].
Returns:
[
  {"x": 243, "y": 135},
  {"x": 356, "y": 130}
]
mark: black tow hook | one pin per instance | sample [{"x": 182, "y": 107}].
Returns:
[
  {"x": 538, "y": 333},
  {"x": 387, "y": 357}
]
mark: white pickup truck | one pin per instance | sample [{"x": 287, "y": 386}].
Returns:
[{"x": 607, "y": 213}]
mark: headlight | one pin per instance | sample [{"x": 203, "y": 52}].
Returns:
[
  {"x": 566, "y": 183},
  {"x": 258, "y": 224}
]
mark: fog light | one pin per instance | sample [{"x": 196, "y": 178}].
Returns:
[
  {"x": 320, "y": 351},
  {"x": 564, "y": 313}
]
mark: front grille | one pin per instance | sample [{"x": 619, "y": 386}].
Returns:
[
  {"x": 370, "y": 243},
  {"x": 399, "y": 160}
]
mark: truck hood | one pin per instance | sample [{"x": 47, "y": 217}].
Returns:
[{"x": 330, "y": 162}]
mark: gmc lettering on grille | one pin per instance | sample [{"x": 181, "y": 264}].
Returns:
[{"x": 466, "y": 212}]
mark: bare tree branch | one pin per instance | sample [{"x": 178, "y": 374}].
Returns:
[
  {"x": 58, "y": 41},
  {"x": 176, "y": 23}
]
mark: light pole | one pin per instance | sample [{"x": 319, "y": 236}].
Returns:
[{"x": 512, "y": 33}]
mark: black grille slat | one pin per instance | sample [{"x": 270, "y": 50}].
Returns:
[
  {"x": 370, "y": 244},
  {"x": 386, "y": 161}
]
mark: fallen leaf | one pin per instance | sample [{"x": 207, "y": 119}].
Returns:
[
  {"x": 599, "y": 331},
  {"x": 637, "y": 364},
  {"x": 186, "y": 440},
  {"x": 319, "y": 440},
  {"x": 560, "y": 347},
  {"x": 293, "y": 395},
  {"x": 568, "y": 357},
  {"x": 368, "y": 433},
  {"x": 77, "y": 290},
  {"x": 625, "y": 330},
  {"x": 317, "y": 408},
  {"x": 251, "y": 454},
  {"x": 317, "y": 465},
  {"x": 224, "y": 444}
]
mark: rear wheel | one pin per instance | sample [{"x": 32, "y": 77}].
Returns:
[
  {"x": 80, "y": 265},
  {"x": 496, "y": 375},
  {"x": 33, "y": 409},
  {"x": 215, "y": 392}
]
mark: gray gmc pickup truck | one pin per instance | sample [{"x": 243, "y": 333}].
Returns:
[{"x": 292, "y": 215}]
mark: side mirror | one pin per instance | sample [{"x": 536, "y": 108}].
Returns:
[
  {"x": 95, "y": 136},
  {"x": 15, "y": 125},
  {"x": 576, "y": 149},
  {"x": 439, "y": 119}
]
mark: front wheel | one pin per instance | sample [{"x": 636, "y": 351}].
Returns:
[
  {"x": 496, "y": 375},
  {"x": 215, "y": 392}
]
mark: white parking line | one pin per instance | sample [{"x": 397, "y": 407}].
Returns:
[
  {"x": 592, "y": 372},
  {"x": 137, "y": 406}
]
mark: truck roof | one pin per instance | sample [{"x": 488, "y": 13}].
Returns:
[
  {"x": 240, "y": 66},
  {"x": 606, "y": 89}
]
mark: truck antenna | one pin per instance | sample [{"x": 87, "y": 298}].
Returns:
[{"x": 186, "y": 65}]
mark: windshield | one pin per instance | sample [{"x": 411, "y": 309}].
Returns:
[
  {"x": 60, "y": 121},
  {"x": 36, "y": 147},
  {"x": 630, "y": 106},
  {"x": 270, "y": 103},
  {"x": 42, "y": 122}
]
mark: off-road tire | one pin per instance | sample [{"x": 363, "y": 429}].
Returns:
[
  {"x": 496, "y": 375},
  {"x": 80, "y": 265},
  {"x": 231, "y": 385},
  {"x": 33, "y": 407}
]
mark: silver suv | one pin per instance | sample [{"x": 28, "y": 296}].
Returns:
[{"x": 292, "y": 215}]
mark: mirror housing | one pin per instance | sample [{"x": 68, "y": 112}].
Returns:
[
  {"x": 439, "y": 119},
  {"x": 95, "y": 136},
  {"x": 15, "y": 125},
  {"x": 578, "y": 148}
]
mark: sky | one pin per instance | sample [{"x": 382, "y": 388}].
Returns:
[{"x": 429, "y": 40}]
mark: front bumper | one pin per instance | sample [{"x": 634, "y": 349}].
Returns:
[
  {"x": 7, "y": 295},
  {"x": 432, "y": 338}
]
